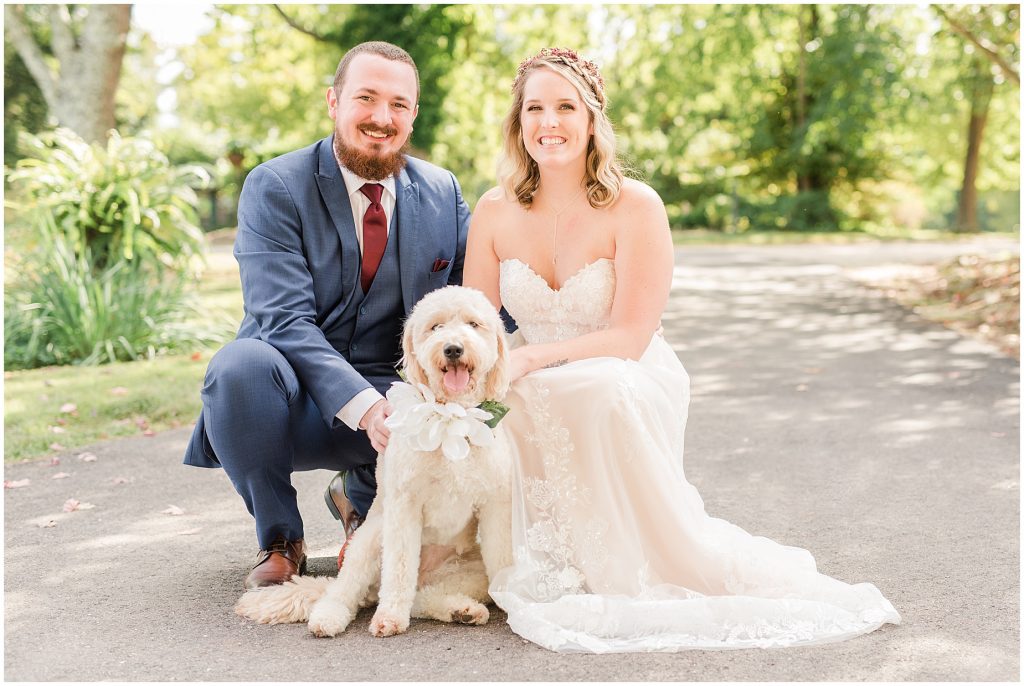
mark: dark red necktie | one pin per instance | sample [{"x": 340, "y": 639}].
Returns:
[{"x": 375, "y": 234}]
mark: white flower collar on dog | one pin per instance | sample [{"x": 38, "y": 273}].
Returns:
[{"x": 428, "y": 425}]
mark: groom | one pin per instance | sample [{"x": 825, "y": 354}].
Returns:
[{"x": 336, "y": 242}]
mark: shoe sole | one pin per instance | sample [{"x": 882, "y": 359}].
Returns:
[
  {"x": 331, "y": 505},
  {"x": 329, "y": 499}
]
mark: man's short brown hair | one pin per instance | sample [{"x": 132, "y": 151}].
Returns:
[{"x": 388, "y": 51}]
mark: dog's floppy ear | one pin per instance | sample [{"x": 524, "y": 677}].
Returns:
[
  {"x": 413, "y": 371},
  {"x": 498, "y": 379}
]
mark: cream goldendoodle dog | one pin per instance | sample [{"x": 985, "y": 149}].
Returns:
[{"x": 444, "y": 484}]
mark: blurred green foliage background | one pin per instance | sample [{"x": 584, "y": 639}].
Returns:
[{"x": 798, "y": 117}]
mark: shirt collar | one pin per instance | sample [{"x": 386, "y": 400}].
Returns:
[{"x": 353, "y": 182}]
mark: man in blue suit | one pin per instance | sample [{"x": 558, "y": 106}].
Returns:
[{"x": 336, "y": 242}]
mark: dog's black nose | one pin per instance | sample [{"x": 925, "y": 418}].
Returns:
[{"x": 453, "y": 351}]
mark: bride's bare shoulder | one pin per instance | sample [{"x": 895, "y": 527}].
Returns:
[
  {"x": 494, "y": 202},
  {"x": 494, "y": 211},
  {"x": 640, "y": 213},
  {"x": 637, "y": 196}
]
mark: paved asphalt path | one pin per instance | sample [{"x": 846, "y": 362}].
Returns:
[{"x": 823, "y": 416}]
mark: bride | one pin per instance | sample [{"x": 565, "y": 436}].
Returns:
[{"x": 613, "y": 549}]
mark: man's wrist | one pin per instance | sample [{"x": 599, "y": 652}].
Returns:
[
  {"x": 356, "y": 408},
  {"x": 364, "y": 423}
]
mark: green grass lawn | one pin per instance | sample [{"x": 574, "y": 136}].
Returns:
[{"x": 124, "y": 399}]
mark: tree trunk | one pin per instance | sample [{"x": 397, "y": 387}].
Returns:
[
  {"x": 80, "y": 92},
  {"x": 803, "y": 100},
  {"x": 981, "y": 96}
]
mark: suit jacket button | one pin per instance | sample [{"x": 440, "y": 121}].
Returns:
[
  {"x": 354, "y": 346},
  {"x": 362, "y": 310}
]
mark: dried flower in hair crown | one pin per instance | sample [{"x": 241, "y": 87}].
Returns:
[{"x": 585, "y": 68}]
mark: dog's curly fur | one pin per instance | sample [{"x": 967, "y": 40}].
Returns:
[{"x": 423, "y": 499}]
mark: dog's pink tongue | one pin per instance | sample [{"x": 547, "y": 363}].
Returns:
[{"x": 456, "y": 379}]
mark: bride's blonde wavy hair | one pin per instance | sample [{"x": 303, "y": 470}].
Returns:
[{"x": 518, "y": 172}]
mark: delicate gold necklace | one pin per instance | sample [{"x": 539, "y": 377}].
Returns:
[{"x": 554, "y": 234}]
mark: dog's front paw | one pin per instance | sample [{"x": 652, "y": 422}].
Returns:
[
  {"x": 386, "y": 624},
  {"x": 471, "y": 613},
  {"x": 329, "y": 618}
]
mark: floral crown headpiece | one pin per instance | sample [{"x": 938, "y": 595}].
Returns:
[{"x": 587, "y": 70}]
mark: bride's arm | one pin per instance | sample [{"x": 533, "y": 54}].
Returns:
[
  {"x": 481, "y": 270},
  {"x": 643, "y": 269}
]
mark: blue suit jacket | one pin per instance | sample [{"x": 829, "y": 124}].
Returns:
[{"x": 299, "y": 261}]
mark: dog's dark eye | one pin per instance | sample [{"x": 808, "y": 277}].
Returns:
[
  {"x": 474, "y": 324},
  {"x": 435, "y": 327}
]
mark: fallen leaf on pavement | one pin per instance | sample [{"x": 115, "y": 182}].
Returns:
[
  {"x": 68, "y": 408},
  {"x": 60, "y": 475},
  {"x": 20, "y": 483},
  {"x": 149, "y": 432},
  {"x": 190, "y": 532},
  {"x": 70, "y": 505},
  {"x": 197, "y": 356},
  {"x": 120, "y": 480},
  {"x": 86, "y": 457},
  {"x": 56, "y": 446},
  {"x": 49, "y": 524},
  {"x": 54, "y": 461},
  {"x": 173, "y": 510}
]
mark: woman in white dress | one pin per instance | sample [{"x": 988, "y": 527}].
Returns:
[{"x": 613, "y": 549}]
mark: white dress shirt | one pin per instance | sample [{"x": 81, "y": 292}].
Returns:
[{"x": 355, "y": 408}]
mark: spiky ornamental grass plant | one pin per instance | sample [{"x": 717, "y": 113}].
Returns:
[{"x": 117, "y": 234}]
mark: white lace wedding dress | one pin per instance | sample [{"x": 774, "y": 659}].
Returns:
[{"x": 613, "y": 551}]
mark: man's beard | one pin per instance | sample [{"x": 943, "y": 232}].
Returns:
[{"x": 368, "y": 166}]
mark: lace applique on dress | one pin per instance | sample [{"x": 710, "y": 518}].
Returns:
[{"x": 556, "y": 498}]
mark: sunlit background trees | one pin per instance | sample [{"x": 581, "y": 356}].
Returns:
[{"x": 742, "y": 116}]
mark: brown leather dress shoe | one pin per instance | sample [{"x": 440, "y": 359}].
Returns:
[
  {"x": 342, "y": 510},
  {"x": 280, "y": 562}
]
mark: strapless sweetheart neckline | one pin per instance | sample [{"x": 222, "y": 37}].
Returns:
[{"x": 579, "y": 272}]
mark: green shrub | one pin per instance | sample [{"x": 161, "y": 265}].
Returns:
[
  {"x": 66, "y": 312},
  {"x": 113, "y": 234},
  {"x": 802, "y": 211},
  {"x": 123, "y": 201}
]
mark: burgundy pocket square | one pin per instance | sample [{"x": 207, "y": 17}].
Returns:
[{"x": 439, "y": 264}]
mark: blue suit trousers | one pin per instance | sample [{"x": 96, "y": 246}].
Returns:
[{"x": 263, "y": 426}]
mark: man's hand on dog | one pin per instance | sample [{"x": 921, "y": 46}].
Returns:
[{"x": 373, "y": 423}]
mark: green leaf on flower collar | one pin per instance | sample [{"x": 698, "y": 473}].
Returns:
[{"x": 497, "y": 410}]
